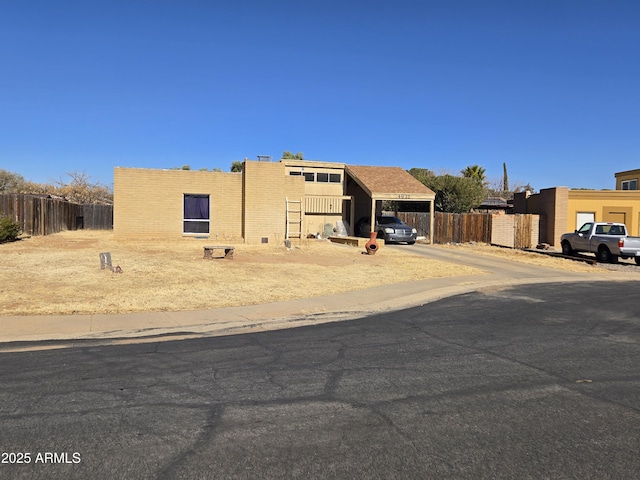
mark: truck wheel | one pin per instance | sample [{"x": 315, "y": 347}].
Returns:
[
  {"x": 604, "y": 256},
  {"x": 637, "y": 259},
  {"x": 566, "y": 248}
]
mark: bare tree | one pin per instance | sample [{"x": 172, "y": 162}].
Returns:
[{"x": 81, "y": 190}]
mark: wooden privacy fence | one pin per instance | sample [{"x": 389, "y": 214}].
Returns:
[
  {"x": 462, "y": 227},
  {"x": 97, "y": 217},
  {"x": 516, "y": 231},
  {"x": 419, "y": 220},
  {"x": 40, "y": 215}
]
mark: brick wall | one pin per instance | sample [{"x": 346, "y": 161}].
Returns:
[
  {"x": 515, "y": 231},
  {"x": 266, "y": 188},
  {"x": 502, "y": 227},
  {"x": 535, "y": 230},
  {"x": 148, "y": 203},
  {"x": 552, "y": 204}
]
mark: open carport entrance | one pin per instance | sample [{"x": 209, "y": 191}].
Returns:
[{"x": 374, "y": 187}]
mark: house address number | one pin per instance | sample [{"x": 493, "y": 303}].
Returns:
[{"x": 404, "y": 195}]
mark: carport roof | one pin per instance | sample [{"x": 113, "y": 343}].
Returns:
[{"x": 389, "y": 183}]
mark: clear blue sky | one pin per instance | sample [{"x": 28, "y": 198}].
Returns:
[{"x": 552, "y": 88}]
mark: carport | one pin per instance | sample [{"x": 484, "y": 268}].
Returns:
[{"x": 371, "y": 186}]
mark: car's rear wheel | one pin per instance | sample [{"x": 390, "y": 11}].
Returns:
[
  {"x": 411, "y": 243},
  {"x": 605, "y": 256},
  {"x": 637, "y": 259}
]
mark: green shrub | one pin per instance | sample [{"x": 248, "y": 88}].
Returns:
[{"x": 9, "y": 230}]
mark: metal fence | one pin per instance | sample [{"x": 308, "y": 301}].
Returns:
[{"x": 43, "y": 215}]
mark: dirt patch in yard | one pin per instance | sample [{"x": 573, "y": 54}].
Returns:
[{"x": 60, "y": 274}]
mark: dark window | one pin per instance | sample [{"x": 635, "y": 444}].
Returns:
[
  {"x": 295, "y": 173},
  {"x": 630, "y": 185},
  {"x": 309, "y": 177},
  {"x": 196, "y": 214},
  {"x": 322, "y": 177},
  {"x": 334, "y": 178}
]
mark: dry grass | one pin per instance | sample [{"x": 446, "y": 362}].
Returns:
[{"x": 60, "y": 274}]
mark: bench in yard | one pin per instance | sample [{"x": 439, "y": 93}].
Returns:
[{"x": 228, "y": 251}]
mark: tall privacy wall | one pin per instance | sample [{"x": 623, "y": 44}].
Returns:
[
  {"x": 515, "y": 231},
  {"x": 42, "y": 215}
]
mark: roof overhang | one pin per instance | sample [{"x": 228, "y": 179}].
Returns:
[{"x": 389, "y": 183}]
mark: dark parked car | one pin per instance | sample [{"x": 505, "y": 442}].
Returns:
[{"x": 389, "y": 228}]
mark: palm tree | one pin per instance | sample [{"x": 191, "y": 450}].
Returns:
[{"x": 474, "y": 171}]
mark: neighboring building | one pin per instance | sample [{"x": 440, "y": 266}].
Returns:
[
  {"x": 562, "y": 210},
  {"x": 266, "y": 203},
  {"x": 627, "y": 180},
  {"x": 495, "y": 205}
]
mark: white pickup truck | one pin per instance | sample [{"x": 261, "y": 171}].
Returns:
[{"x": 607, "y": 240}]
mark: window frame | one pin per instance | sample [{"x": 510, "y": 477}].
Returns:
[
  {"x": 629, "y": 183},
  {"x": 195, "y": 220}
]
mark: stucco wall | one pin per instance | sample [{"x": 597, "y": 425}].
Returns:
[
  {"x": 559, "y": 208},
  {"x": 607, "y": 206}
]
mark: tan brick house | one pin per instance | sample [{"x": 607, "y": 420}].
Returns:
[{"x": 267, "y": 203}]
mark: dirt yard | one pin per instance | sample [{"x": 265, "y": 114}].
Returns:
[{"x": 60, "y": 274}]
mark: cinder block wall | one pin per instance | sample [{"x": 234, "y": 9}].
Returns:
[
  {"x": 552, "y": 204},
  {"x": 556, "y": 201},
  {"x": 520, "y": 202},
  {"x": 266, "y": 188},
  {"x": 535, "y": 230},
  {"x": 502, "y": 230},
  {"x": 148, "y": 203}
]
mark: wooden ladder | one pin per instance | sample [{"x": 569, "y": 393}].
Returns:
[{"x": 295, "y": 216}]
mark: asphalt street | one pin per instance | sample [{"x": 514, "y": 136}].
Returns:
[{"x": 536, "y": 381}]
